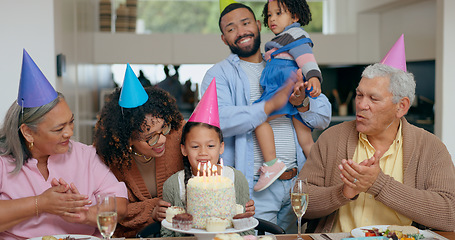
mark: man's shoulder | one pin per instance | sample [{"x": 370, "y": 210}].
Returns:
[
  {"x": 221, "y": 70},
  {"x": 334, "y": 133},
  {"x": 414, "y": 132}
]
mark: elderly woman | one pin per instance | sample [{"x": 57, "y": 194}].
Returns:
[
  {"x": 48, "y": 183},
  {"x": 141, "y": 145}
]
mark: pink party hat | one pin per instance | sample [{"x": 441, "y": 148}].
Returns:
[
  {"x": 396, "y": 57},
  {"x": 133, "y": 93},
  {"x": 34, "y": 88},
  {"x": 206, "y": 110}
]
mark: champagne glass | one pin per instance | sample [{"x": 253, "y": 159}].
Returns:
[
  {"x": 106, "y": 217},
  {"x": 299, "y": 201}
]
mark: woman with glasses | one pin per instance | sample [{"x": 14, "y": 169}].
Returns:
[{"x": 141, "y": 145}]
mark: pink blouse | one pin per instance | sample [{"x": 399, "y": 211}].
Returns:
[{"x": 80, "y": 165}]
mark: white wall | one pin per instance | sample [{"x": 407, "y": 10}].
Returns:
[
  {"x": 25, "y": 24},
  {"x": 445, "y": 74}
]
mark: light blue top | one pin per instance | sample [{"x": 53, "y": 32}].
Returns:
[{"x": 239, "y": 117}]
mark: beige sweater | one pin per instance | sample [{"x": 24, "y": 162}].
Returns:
[
  {"x": 427, "y": 194},
  {"x": 141, "y": 203}
]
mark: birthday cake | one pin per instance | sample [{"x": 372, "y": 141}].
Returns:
[{"x": 210, "y": 197}]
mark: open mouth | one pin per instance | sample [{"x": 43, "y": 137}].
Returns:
[
  {"x": 244, "y": 39},
  {"x": 159, "y": 149}
]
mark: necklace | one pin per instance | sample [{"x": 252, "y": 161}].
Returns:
[{"x": 147, "y": 160}]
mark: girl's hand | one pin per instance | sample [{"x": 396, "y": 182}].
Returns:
[
  {"x": 250, "y": 208},
  {"x": 316, "y": 85},
  {"x": 159, "y": 212}
]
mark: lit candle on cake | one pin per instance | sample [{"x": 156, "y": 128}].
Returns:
[
  {"x": 215, "y": 173},
  {"x": 209, "y": 169},
  {"x": 198, "y": 169},
  {"x": 204, "y": 171},
  {"x": 215, "y": 170},
  {"x": 222, "y": 166}
]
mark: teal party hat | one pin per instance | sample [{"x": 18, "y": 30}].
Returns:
[{"x": 133, "y": 93}]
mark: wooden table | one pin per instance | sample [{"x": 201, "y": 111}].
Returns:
[{"x": 448, "y": 235}]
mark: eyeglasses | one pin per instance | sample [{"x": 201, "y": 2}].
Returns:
[{"x": 156, "y": 136}]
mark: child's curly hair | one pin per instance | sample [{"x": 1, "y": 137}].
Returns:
[
  {"x": 298, "y": 8},
  {"x": 117, "y": 125}
]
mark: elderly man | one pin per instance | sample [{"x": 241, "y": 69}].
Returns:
[
  {"x": 380, "y": 169},
  {"x": 237, "y": 81}
]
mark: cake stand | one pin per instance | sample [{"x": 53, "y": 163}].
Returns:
[{"x": 202, "y": 234}]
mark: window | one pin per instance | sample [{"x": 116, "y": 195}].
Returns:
[{"x": 198, "y": 16}]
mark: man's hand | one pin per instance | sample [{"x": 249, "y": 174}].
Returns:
[
  {"x": 281, "y": 97},
  {"x": 159, "y": 212},
  {"x": 360, "y": 177}
]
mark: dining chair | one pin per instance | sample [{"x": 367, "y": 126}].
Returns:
[
  {"x": 270, "y": 227},
  {"x": 153, "y": 229}
]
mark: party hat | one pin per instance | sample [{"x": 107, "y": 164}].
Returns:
[
  {"x": 206, "y": 110},
  {"x": 132, "y": 94},
  {"x": 396, "y": 57},
  {"x": 225, "y": 3},
  {"x": 34, "y": 88}
]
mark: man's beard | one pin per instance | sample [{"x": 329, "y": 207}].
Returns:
[{"x": 249, "y": 51}]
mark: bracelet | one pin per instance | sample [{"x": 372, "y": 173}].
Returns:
[{"x": 36, "y": 206}]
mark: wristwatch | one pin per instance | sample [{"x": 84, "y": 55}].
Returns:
[{"x": 305, "y": 103}]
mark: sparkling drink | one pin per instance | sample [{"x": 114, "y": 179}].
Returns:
[
  {"x": 299, "y": 203},
  {"x": 107, "y": 221},
  {"x": 106, "y": 217}
]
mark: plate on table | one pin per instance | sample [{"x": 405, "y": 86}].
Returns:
[
  {"x": 202, "y": 234},
  {"x": 63, "y": 236},
  {"x": 359, "y": 232}
]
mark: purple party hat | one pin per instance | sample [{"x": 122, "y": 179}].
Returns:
[{"x": 34, "y": 88}]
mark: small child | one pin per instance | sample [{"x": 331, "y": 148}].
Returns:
[
  {"x": 202, "y": 142},
  {"x": 290, "y": 50}
]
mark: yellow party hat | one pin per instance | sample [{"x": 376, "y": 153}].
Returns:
[{"x": 225, "y": 3}]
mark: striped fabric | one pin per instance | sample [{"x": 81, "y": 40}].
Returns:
[
  {"x": 282, "y": 127},
  {"x": 303, "y": 54}
]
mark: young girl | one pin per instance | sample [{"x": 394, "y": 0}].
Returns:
[
  {"x": 201, "y": 143},
  {"x": 290, "y": 50}
]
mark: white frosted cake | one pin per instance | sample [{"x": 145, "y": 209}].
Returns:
[{"x": 210, "y": 197}]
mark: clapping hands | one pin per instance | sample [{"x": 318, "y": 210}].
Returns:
[
  {"x": 64, "y": 200},
  {"x": 359, "y": 177}
]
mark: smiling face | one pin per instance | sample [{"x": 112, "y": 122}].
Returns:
[
  {"x": 150, "y": 128},
  {"x": 241, "y": 32},
  {"x": 279, "y": 17},
  {"x": 202, "y": 145},
  {"x": 53, "y": 133},
  {"x": 375, "y": 111}
]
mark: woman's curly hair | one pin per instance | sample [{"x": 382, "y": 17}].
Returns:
[
  {"x": 298, "y": 8},
  {"x": 117, "y": 125}
]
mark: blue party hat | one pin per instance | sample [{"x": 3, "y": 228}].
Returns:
[
  {"x": 34, "y": 88},
  {"x": 132, "y": 94}
]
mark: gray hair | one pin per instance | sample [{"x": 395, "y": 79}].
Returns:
[
  {"x": 12, "y": 142},
  {"x": 402, "y": 84}
]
